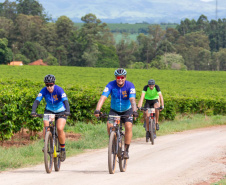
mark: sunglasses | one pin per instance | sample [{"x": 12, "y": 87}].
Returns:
[
  {"x": 120, "y": 77},
  {"x": 49, "y": 85}
]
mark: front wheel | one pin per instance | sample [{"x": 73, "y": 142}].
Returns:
[
  {"x": 48, "y": 152},
  {"x": 152, "y": 130},
  {"x": 112, "y": 153},
  {"x": 57, "y": 158},
  {"x": 122, "y": 161}
]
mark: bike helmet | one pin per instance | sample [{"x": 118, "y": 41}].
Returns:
[
  {"x": 49, "y": 79},
  {"x": 120, "y": 71},
  {"x": 151, "y": 82}
]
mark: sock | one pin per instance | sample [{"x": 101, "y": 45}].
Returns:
[
  {"x": 127, "y": 147},
  {"x": 62, "y": 146}
]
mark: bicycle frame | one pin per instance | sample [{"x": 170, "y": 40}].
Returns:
[
  {"x": 53, "y": 129},
  {"x": 117, "y": 127}
]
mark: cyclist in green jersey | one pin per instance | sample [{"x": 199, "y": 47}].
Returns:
[{"x": 153, "y": 96}]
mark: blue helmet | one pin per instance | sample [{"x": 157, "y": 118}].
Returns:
[
  {"x": 151, "y": 82},
  {"x": 120, "y": 71}
]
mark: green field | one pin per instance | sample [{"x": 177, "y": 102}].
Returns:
[{"x": 202, "y": 84}]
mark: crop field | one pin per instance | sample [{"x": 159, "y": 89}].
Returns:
[
  {"x": 186, "y": 92},
  {"x": 194, "y": 84}
]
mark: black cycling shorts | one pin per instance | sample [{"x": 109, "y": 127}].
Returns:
[
  {"x": 123, "y": 120},
  {"x": 150, "y": 103},
  {"x": 50, "y": 112}
]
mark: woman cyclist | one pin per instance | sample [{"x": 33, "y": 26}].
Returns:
[{"x": 57, "y": 102}]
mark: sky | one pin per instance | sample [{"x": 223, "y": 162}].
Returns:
[{"x": 136, "y": 10}]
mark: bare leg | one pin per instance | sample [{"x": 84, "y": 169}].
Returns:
[
  {"x": 128, "y": 132},
  {"x": 60, "y": 129}
]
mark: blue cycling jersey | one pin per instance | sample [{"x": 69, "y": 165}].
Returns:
[
  {"x": 120, "y": 95},
  {"x": 54, "y": 100}
]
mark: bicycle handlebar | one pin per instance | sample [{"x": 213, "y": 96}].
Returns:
[
  {"x": 42, "y": 115},
  {"x": 104, "y": 115},
  {"x": 144, "y": 108}
]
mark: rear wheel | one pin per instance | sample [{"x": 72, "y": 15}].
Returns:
[
  {"x": 112, "y": 155},
  {"x": 48, "y": 152},
  {"x": 57, "y": 159},
  {"x": 151, "y": 130},
  {"x": 122, "y": 162}
]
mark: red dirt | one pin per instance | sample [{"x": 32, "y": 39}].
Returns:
[{"x": 25, "y": 138}]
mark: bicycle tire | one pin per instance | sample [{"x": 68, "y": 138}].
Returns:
[
  {"x": 122, "y": 162},
  {"x": 112, "y": 155},
  {"x": 151, "y": 130},
  {"x": 57, "y": 161},
  {"x": 48, "y": 152}
]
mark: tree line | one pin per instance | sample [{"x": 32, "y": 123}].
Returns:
[{"x": 27, "y": 33}]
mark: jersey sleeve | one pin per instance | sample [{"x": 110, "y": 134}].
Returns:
[
  {"x": 158, "y": 88},
  {"x": 132, "y": 91},
  {"x": 145, "y": 88},
  {"x": 63, "y": 95},
  {"x": 107, "y": 90},
  {"x": 41, "y": 94}
]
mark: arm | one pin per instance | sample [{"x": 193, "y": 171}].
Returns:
[
  {"x": 141, "y": 100},
  {"x": 66, "y": 103},
  {"x": 34, "y": 107},
  {"x": 133, "y": 104},
  {"x": 99, "y": 105},
  {"x": 161, "y": 100}
]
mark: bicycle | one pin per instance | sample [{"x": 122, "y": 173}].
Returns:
[
  {"x": 152, "y": 130},
  {"x": 116, "y": 146},
  {"x": 52, "y": 146}
]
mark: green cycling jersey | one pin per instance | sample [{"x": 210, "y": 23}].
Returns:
[{"x": 151, "y": 94}]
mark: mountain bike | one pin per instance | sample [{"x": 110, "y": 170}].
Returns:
[
  {"x": 152, "y": 130},
  {"x": 116, "y": 146},
  {"x": 52, "y": 146}
]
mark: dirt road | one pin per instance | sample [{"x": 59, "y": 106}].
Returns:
[{"x": 195, "y": 157}]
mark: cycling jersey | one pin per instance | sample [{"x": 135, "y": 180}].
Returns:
[
  {"x": 151, "y": 94},
  {"x": 54, "y": 100},
  {"x": 120, "y": 95}
]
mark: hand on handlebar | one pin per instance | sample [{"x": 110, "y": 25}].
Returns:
[
  {"x": 97, "y": 113},
  {"x": 67, "y": 113},
  {"x": 34, "y": 114},
  {"x": 135, "y": 114}
]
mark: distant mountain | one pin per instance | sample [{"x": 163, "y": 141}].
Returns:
[{"x": 134, "y": 11}]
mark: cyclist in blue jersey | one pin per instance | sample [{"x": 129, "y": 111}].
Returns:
[
  {"x": 123, "y": 102},
  {"x": 56, "y": 102}
]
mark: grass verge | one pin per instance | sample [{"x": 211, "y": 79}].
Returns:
[{"x": 95, "y": 136}]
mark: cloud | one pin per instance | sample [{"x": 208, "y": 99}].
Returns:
[{"x": 207, "y": 0}]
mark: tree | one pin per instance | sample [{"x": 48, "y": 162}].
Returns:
[
  {"x": 48, "y": 37},
  {"x": 64, "y": 31},
  {"x": 165, "y": 47},
  {"x": 8, "y": 10},
  {"x": 5, "y": 53},
  {"x": 34, "y": 51},
  {"x": 32, "y": 7},
  {"x": 202, "y": 23},
  {"x": 6, "y": 27},
  {"x": 203, "y": 60},
  {"x": 222, "y": 59},
  {"x": 145, "y": 49},
  {"x": 126, "y": 50},
  {"x": 107, "y": 57},
  {"x": 157, "y": 35},
  {"x": 20, "y": 57},
  {"x": 27, "y": 28},
  {"x": 172, "y": 35},
  {"x": 51, "y": 60}
]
